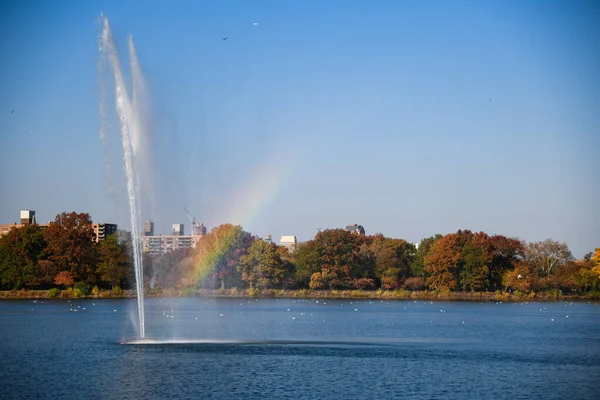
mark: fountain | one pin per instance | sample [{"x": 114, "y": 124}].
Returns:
[{"x": 130, "y": 114}]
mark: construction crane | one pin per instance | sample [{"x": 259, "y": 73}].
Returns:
[{"x": 192, "y": 221}]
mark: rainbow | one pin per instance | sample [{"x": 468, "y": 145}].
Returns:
[
  {"x": 252, "y": 198},
  {"x": 248, "y": 202}
]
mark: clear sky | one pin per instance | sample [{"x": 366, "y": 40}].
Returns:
[{"x": 407, "y": 117}]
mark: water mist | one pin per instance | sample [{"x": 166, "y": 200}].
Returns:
[{"x": 130, "y": 114}]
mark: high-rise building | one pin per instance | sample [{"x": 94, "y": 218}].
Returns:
[
  {"x": 103, "y": 230},
  {"x": 199, "y": 230},
  {"x": 158, "y": 245},
  {"x": 268, "y": 238},
  {"x": 355, "y": 229},
  {"x": 177, "y": 229},
  {"x": 148, "y": 228}
]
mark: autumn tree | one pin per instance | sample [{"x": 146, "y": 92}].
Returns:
[
  {"x": 520, "y": 278},
  {"x": 596, "y": 263},
  {"x": 588, "y": 275},
  {"x": 441, "y": 263},
  {"x": 547, "y": 256},
  {"x": 507, "y": 253},
  {"x": 341, "y": 259},
  {"x": 566, "y": 278},
  {"x": 329, "y": 254},
  {"x": 414, "y": 283},
  {"x": 64, "y": 278},
  {"x": 71, "y": 245}
]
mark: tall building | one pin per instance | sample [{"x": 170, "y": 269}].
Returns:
[
  {"x": 148, "y": 228},
  {"x": 289, "y": 242},
  {"x": 158, "y": 244},
  {"x": 27, "y": 217},
  {"x": 268, "y": 238},
  {"x": 177, "y": 229},
  {"x": 103, "y": 230},
  {"x": 199, "y": 230},
  {"x": 355, "y": 229}
]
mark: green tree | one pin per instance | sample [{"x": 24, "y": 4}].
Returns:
[
  {"x": 114, "y": 264},
  {"x": 289, "y": 268},
  {"x": 418, "y": 264},
  {"x": 21, "y": 251},
  {"x": 125, "y": 242},
  {"x": 262, "y": 267},
  {"x": 476, "y": 256},
  {"x": 217, "y": 256},
  {"x": 392, "y": 259},
  {"x": 307, "y": 260},
  {"x": 588, "y": 279}
]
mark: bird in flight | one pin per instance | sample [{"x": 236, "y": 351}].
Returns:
[
  {"x": 225, "y": 38},
  {"x": 255, "y": 23},
  {"x": 12, "y": 111}
]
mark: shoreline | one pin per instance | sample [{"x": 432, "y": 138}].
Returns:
[{"x": 312, "y": 294}]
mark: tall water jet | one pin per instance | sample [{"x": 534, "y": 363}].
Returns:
[{"x": 129, "y": 112}]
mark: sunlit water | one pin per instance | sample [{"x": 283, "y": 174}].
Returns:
[{"x": 277, "y": 349}]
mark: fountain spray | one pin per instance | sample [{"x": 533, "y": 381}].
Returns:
[{"x": 129, "y": 112}]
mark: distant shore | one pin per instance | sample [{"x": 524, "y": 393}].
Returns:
[{"x": 314, "y": 294}]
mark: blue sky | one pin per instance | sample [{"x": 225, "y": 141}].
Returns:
[{"x": 408, "y": 117}]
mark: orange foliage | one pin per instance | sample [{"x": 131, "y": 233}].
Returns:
[
  {"x": 64, "y": 278},
  {"x": 521, "y": 278},
  {"x": 442, "y": 261}
]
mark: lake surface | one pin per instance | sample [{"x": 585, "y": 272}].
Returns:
[{"x": 299, "y": 349}]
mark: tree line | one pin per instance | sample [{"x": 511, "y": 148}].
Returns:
[
  {"x": 65, "y": 255},
  {"x": 228, "y": 257}
]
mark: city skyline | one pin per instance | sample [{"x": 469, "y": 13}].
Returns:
[{"x": 409, "y": 118}]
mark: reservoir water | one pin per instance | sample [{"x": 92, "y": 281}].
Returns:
[{"x": 202, "y": 348}]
